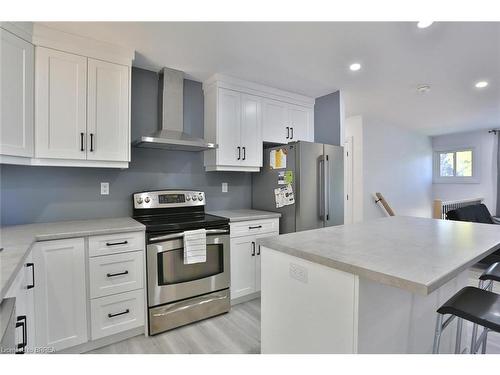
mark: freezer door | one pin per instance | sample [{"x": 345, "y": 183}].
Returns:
[
  {"x": 309, "y": 180},
  {"x": 334, "y": 167},
  {"x": 264, "y": 183}
]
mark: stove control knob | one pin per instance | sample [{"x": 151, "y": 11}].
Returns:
[
  {"x": 200, "y": 197},
  {"x": 194, "y": 198},
  {"x": 188, "y": 198},
  {"x": 147, "y": 200},
  {"x": 139, "y": 200}
]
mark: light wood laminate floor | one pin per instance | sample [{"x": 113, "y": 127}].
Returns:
[{"x": 235, "y": 332}]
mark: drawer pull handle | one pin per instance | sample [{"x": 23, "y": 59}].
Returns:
[
  {"x": 116, "y": 243},
  {"x": 118, "y": 314},
  {"x": 255, "y": 227},
  {"x": 117, "y": 274},
  {"x": 32, "y": 265}
]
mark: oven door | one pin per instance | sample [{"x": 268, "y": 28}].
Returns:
[{"x": 169, "y": 279}]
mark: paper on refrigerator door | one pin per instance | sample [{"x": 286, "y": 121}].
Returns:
[
  {"x": 284, "y": 196},
  {"x": 277, "y": 159}
]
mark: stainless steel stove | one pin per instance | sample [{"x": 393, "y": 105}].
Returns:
[{"x": 180, "y": 293}]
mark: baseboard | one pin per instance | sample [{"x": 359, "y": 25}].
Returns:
[
  {"x": 96, "y": 344},
  {"x": 246, "y": 298}
]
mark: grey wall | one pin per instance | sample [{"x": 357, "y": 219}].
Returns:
[
  {"x": 41, "y": 194},
  {"x": 327, "y": 119}
]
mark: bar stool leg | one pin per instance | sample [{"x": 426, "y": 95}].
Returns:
[
  {"x": 483, "y": 348},
  {"x": 473, "y": 340},
  {"x": 458, "y": 342},
  {"x": 437, "y": 334}
]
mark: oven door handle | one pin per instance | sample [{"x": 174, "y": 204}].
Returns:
[{"x": 174, "y": 236}]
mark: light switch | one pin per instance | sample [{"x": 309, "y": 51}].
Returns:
[
  {"x": 224, "y": 187},
  {"x": 104, "y": 188}
]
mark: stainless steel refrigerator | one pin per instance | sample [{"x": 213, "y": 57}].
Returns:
[{"x": 315, "y": 172}]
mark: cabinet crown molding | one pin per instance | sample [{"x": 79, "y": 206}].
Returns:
[
  {"x": 49, "y": 37},
  {"x": 252, "y": 88}
]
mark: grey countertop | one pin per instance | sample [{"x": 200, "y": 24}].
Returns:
[
  {"x": 17, "y": 240},
  {"x": 415, "y": 254},
  {"x": 246, "y": 214}
]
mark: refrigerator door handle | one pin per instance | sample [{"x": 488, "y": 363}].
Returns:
[
  {"x": 327, "y": 188},
  {"x": 321, "y": 166}
]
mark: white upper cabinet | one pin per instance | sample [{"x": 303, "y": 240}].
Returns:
[
  {"x": 17, "y": 70},
  {"x": 284, "y": 122},
  {"x": 61, "y": 105},
  {"x": 108, "y": 111},
  {"x": 275, "y": 120},
  {"x": 65, "y": 99},
  {"x": 228, "y": 127},
  {"x": 240, "y": 116}
]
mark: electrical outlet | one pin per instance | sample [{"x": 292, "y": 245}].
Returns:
[
  {"x": 298, "y": 273},
  {"x": 104, "y": 188},
  {"x": 224, "y": 187}
]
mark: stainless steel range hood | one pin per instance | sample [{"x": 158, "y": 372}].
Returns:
[{"x": 172, "y": 136}]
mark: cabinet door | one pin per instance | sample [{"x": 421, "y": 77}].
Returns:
[
  {"x": 60, "y": 293},
  {"x": 108, "y": 111},
  {"x": 275, "y": 121},
  {"x": 229, "y": 127},
  {"x": 17, "y": 70},
  {"x": 243, "y": 255},
  {"x": 61, "y": 96},
  {"x": 251, "y": 131},
  {"x": 300, "y": 119}
]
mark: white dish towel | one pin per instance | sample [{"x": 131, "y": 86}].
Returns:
[{"x": 195, "y": 246}]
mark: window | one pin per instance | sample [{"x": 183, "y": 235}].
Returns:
[{"x": 455, "y": 166}]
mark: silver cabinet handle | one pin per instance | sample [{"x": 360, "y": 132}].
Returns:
[{"x": 174, "y": 236}]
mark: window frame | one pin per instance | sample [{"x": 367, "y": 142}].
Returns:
[{"x": 438, "y": 179}]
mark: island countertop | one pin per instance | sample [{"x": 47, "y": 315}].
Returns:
[
  {"x": 415, "y": 254},
  {"x": 17, "y": 240}
]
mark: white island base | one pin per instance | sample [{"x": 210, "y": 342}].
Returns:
[{"x": 311, "y": 308}]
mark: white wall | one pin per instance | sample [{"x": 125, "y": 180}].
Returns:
[
  {"x": 354, "y": 129},
  {"x": 486, "y": 150},
  {"x": 398, "y": 164}
]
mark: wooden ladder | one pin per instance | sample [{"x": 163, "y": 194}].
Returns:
[{"x": 380, "y": 200}]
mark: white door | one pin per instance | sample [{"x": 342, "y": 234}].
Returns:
[
  {"x": 107, "y": 111},
  {"x": 275, "y": 127},
  {"x": 229, "y": 151},
  {"x": 17, "y": 70},
  {"x": 251, "y": 131},
  {"x": 243, "y": 254},
  {"x": 61, "y": 96},
  {"x": 299, "y": 120},
  {"x": 60, "y": 293}
]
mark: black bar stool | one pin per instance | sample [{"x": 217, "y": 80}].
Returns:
[
  {"x": 492, "y": 274},
  {"x": 475, "y": 305}
]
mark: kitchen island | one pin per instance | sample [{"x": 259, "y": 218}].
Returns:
[{"x": 371, "y": 287}]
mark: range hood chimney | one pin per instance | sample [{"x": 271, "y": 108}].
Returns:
[{"x": 171, "y": 136}]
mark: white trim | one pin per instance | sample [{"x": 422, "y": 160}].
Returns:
[
  {"x": 23, "y": 30},
  {"x": 79, "y": 163},
  {"x": 239, "y": 168},
  {"x": 252, "y": 88},
  {"x": 476, "y": 172},
  {"x": 51, "y": 38},
  {"x": 18, "y": 160}
]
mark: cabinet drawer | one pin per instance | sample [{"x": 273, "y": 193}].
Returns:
[
  {"x": 116, "y": 273},
  {"x": 117, "y": 313},
  {"x": 115, "y": 243},
  {"x": 246, "y": 228}
]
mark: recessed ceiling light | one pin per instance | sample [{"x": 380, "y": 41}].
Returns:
[
  {"x": 423, "y": 88},
  {"x": 355, "y": 67},
  {"x": 424, "y": 24},
  {"x": 481, "y": 84}
]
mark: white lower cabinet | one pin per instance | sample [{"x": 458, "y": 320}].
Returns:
[
  {"x": 245, "y": 254},
  {"x": 117, "y": 313},
  {"x": 23, "y": 291},
  {"x": 68, "y": 314},
  {"x": 60, "y": 293}
]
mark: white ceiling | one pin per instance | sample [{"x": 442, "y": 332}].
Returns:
[{"x": 313, "y": 58}]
